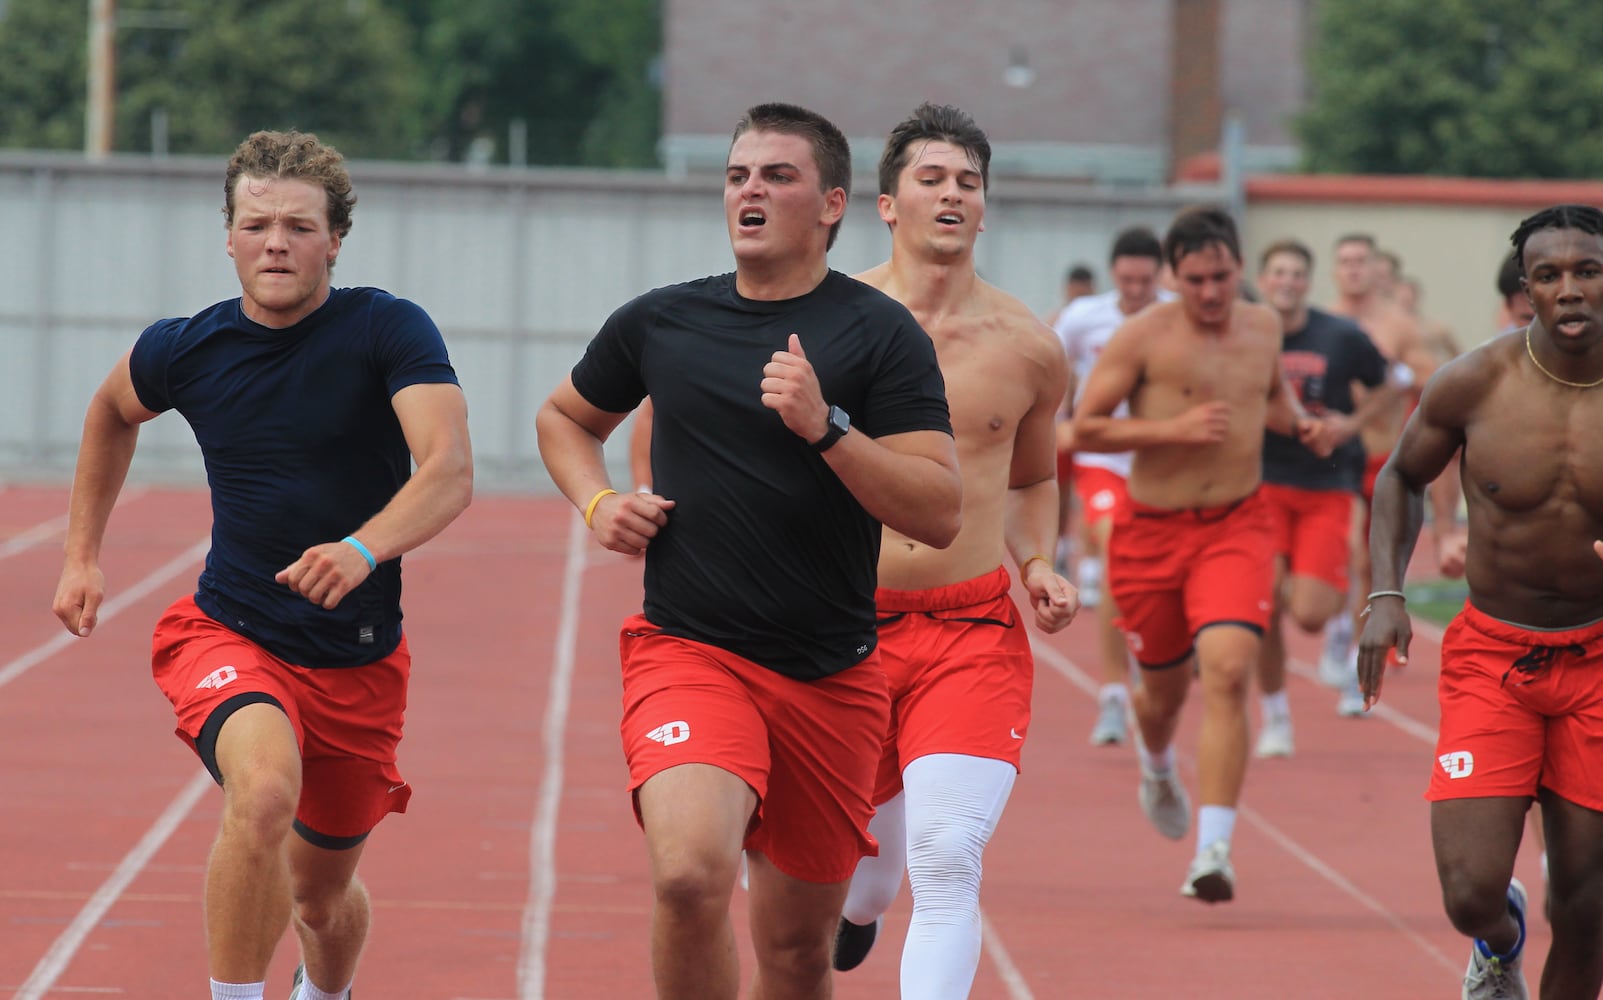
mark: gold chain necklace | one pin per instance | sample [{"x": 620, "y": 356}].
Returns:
[{"x": 1544, "y": 371}]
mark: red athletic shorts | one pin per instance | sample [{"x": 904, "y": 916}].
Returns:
[
  {"x": 960, "y": 672},
  {"x": 347, "y": 721},
  {"x": 1173, "y": 573},
  {"x": 1311, "y": 531},
  {"x": 1521, "y": 708},
  {"x": 807, "y": 748},
  {"x": 1101, "y": 491}
]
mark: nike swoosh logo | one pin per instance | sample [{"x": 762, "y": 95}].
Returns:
[
  {"x": 1015, "y": 733},
  {"x": 396, "y": 788}
]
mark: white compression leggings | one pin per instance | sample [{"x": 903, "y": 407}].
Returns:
[{"x": 937, "y": 828}]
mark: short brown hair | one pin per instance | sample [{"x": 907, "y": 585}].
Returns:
[
  {"x": 831, "y": 153},
  {"x": 1197, "y": 228},
  {"x": 1287, "y": 245},
  {"x": 297, "y": 156}
]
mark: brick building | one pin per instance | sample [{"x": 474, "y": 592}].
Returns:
[{"x": 1114, "y": 91}]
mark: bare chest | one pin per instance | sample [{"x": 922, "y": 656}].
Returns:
[
  {"x": 1524, "y": 452},
  {"x": 990, "y": 383}
]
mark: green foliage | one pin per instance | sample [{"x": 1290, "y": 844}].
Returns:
[
  {"x": 377, "y": 78},
  {"x": 43, "y": 62},
  {"x": 1486, "y": 88}
]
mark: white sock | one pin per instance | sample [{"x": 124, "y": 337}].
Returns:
[
  {"x": 1215, "y": 823},
  {"x": 1089, "y": 573},
  {"x": 1113, "y": 692},
  {"x": 310, "y": 992},
  {"x": 1276, "y": 706},
  {"x": 1161, "y": 762},
  {"x": 237, "y": 991}
]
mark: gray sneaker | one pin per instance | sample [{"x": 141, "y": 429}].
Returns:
[
  {"x": 1350, "y": 703},
  {"x": 1490, "y": 977},
  {"x": 1211, "y": 877},
  {"x": 1112, "y": 723},
  {"x": 1164, "y": 801},
  {"x": 1274, "y": 739},
  {"x": 295, "y": 984}
]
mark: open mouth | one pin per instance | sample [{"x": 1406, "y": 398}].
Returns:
[
  {"x": 1572, "y": 325},
  {"x": 752, "y": 217},
  {"x": 949, "y": 219}
]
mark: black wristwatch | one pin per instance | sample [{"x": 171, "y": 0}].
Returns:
[{"x": 839, "y": 423}]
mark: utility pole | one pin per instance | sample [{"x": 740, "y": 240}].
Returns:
[{"x": 102, "y": 104}]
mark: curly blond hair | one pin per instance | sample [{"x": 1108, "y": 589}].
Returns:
[{"x": 298, "y": 156}]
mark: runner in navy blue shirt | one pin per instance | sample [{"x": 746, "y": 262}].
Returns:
[
  {"x": 1312, "y": 497},
  {"x": 287, "y": 668},
  {"x": 796, "y": 410}
]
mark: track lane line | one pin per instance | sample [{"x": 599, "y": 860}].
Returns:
[
  {"x": 543, "y": 838},
  {"x": 56, "y": 960},
  {"x": 109, "y": 610},
  {"x": 1070, "y": 671}
]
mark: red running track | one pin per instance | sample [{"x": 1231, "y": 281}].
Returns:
[{"x": 519, "y": 872}]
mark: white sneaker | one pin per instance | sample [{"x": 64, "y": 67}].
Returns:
[
  {"x": 1211, "y": 877},
  {"x": 1164, "y": 801},
  {"x": 1350, "y": 703},
  {"x": 1337, "y": 662},
  {"x": 1112, "y": 723},
  {"x": 1491, "y": 978},
  {"x": 1274, "y": 739},
  {"x": 1089, "y": 582}
]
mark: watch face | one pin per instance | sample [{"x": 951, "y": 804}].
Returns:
[{"x": 839, "y": 422}]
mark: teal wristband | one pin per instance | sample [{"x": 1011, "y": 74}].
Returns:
[{"x": 372, "y": 564}]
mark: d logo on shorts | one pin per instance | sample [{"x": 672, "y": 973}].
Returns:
[
  {"x": 670, "y": 733},
  {"x": 217, "y": 678},
  {"x": 1458, "y": 764}
]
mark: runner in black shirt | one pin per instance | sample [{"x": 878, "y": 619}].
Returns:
[{"x": 795, "y": 411}]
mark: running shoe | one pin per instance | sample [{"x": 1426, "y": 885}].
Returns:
[
  {"x": 1164, "y": 801},
  {"x": 1211, "y": 877},
  {"x": 1350, "y": 703},
  {"x": 1492, "y": 977},
  {"x": 1337, "y": 661},
  {"x": 1089, "y": 582},
  {"x": 295, "y": 985},
  {"x": 1274, "y": 739},
  {"x": 852, "y": 943},
  {"x": 1112, "y": 723}
]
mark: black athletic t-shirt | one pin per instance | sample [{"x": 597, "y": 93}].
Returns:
[
  {"x": 766, "y": 553},
  {"x": 1321, "y": 361}
]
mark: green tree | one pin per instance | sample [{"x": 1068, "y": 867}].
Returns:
[
  {"x": 1485, "y": 88},
  {"x": 577, "y": 74},
  {"x": 219, "y": 69},
  {"x": 42, "y": 68}
]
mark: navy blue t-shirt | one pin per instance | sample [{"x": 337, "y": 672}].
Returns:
[
  {"x": 1321, "y": 362},
  {"x": 766, "y": 553},
  {"x": 302, "y": 446}
]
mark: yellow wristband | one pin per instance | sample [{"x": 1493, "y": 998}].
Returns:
[
  {"x": 1025, "y": 565},
  {"x": 590, "y": 508}
]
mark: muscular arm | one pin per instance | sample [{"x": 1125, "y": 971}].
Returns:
[
  {"x": 110, "y": 433},
  {"x": 1430, "y": 439},
  {"x": 570, "y": 432},
  {"x": 434, "y": 419},
  {"x": 1030, "y": 521},
  {"x": 1111, "y": 381},
  {"x": 907, "y": 482}
]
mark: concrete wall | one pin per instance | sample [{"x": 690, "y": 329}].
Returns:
[{"x": 519, "y": 268}]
